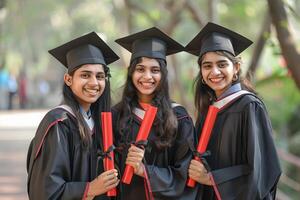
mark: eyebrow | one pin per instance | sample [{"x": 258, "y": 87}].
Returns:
[
  {"x": 209, "y": 62},
  {"x": 87, "y": 71},
  {"x": 150, "y": 66}
]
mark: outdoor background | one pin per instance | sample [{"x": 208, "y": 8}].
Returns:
[{"x": 31, "y": 80}]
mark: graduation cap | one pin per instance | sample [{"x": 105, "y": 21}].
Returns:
[
  {"x": 87, "y": 49},
  {"x": 213, "y": 37},
  {"x": 151, "y": 43}
]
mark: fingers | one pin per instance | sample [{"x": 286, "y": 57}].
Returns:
[
  {"x": 198, "y": 172},
  {"x": 133, "y": 159},
  {"x": 197, "y": 166},
  {"x": 112, "y": 185},
  {"x": 110, "y": 179},
  {"x": 133, "y": 150},
  {"x": 108, "y": 172},
  {"x": 104, "y": 182},
  {"x": 111, "y": 182},
  {"x": 196, "y": 162},
  {"x": 135, "y": 164},
  {"x": 108, "y": 175},
  {"x": 135, "y": 156}
]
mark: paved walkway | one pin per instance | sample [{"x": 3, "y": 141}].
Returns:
[{"x": 16, "y": 130}]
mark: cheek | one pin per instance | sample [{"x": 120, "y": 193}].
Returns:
[
  {"x": 102, "y": 84},
  {"x": 134, "y": 78},
  {"x": 158, "y": 78},
  {"x": 74, "y": 86},
  {"x": 230, "y": 73},
  {"x": 75, "y": 89},
  {"x": 203, "y": 73}
]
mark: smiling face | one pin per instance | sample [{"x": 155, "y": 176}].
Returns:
[
  {"x": 87, "y": 83},
  {"x": 146, "y": 78},
  {"x": 218, "y": 71}
]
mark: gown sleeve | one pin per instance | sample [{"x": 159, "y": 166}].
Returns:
[
  {"x": 257, "y": 179},
  {"x": 50, "y": 171},
  {"x": 169, "y": 182}
]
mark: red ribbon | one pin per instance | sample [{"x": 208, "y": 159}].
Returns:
[
  {"x": 107, "y": 138},
  {"x": 142, "y": 135}
]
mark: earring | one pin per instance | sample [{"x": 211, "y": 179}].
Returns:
[
  {"x": 235, "y": 77},
  {"x": 203, "y": 82}
]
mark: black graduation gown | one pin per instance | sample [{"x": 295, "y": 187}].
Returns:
[
  {"x": 166, "y": 169},
  {"x": 243, "y": 158},
  {"x": 57, "y": 164}
]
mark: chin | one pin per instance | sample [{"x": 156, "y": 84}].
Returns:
[
  {"x": 92, "y": 100},
  {"x": 147, "y": 93}
]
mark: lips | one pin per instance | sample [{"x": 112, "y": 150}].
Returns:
[
  {"x": 147, "y": 85},
  {"x": 91, "y": 91},
  {"x": 216, "y": 80}
]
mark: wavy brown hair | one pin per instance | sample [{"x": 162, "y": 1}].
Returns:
[{"x": 165, "y": 123}]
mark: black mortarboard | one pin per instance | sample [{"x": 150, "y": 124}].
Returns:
[
  {"x": 152, "y": 43},
  {"x": 213, "y": 37},
  {"x": 87, "y": 49}
]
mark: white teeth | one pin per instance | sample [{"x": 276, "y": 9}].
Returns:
[
  {"x": 94, "y": 91},
  {"x": 215, "y": 79},
  {"x": 147, "y": 84}
]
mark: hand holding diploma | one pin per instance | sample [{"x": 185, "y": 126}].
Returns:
[
  {"x": 141, "y": 136},
  {"x": 205, "y": 135}
]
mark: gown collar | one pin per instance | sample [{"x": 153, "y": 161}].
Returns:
[
  {"x": 233, "y": 89},
  {"x": 87, "y": 116}
]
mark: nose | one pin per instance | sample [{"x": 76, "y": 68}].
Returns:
[
  {"x": 215, "y": 70},
  {"x": 93, "y": 80},
  {"x": 147, "y": 74}
]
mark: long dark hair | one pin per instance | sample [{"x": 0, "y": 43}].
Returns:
[
  {"x": 102, "y": 104},
  {"x": 165, "y": 123},
  {"x": 204, "y": 95}
]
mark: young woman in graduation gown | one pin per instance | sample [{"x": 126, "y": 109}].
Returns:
[
  {"x": 160, "y": 166},
  {"x": 64, "y": 156},
  {"x": 243, "y": 159}
]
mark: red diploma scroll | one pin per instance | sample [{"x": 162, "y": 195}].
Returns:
[
  {"x": 205, "y": 135},
  {"x": 107, "y": 137},
  {"x": 142, "y": 135}
]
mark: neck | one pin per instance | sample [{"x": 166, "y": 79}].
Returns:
[
  {"x": 145, "y": 99},
  {"x": 85, "y": 109}
]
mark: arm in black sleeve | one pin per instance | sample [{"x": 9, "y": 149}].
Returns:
[
  {"x": 170, "y": 182},
  {"x": 50, "y": 173}
]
